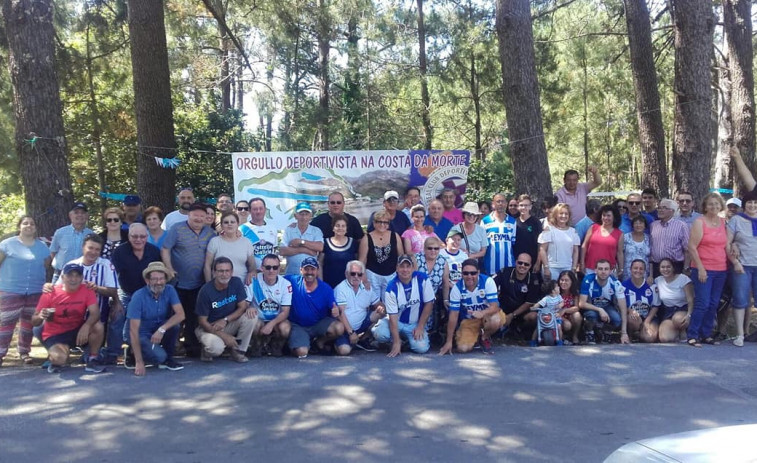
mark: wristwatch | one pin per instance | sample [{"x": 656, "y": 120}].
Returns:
[
  {"x": 161, "y": 331},
  {"x": 302, "y": 242},
  {"x": 226, "y": 319}
]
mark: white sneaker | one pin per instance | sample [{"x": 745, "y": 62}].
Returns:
[{"x": 739, "y": 341}]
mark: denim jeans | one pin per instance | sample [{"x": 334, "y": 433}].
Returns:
[
  {"x": 118, "y": 329},
  {"x": 159, "y": 353},
  {"x": 743, "y": 285},
  {"x": 592, "y": 317},
  {"x": 383, "y": 334},
  {"x": 706, "y": 300}
]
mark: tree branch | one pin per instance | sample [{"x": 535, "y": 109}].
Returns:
[
  {"x": 551, "y": 10},
  {"x": 225, "y": 27}
]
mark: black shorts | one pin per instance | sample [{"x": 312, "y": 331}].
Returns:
[{"x": 68, "y": 338}]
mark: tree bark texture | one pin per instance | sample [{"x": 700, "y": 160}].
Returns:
[
  {"x": 521, "y": 95},
  {"x": 38, "y": 110},
  {"x": 738, "y": 38},
  {"x": 723, "y": 176},
  {"x": 428, "y": 134},
  {"x": 323, "y": 34},
  {"x": 648, "y": 113},
  {"x": 152, "y": 102},
  {"x": 694, "y": 23}
]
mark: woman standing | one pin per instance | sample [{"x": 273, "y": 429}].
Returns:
[
  {"x": 743, "y": 229},
  {"x": 708, "y": 247},
  {"x": 23, "y": 263},
  {"x": 636, "y": 245},
  {"x": 559, "y": 244},
  {"x": 413, "y": 237},
  {"x": 113, "y": 235},
  {"x": 676, "y": 295},
  {"x": 604, "y": 241},
  {"x": 230, "y": 243},
  {"x": 474, "y": 241},
  {"x": 338, "y": 250},
  {"x": 153, "y": 218},
  {"x": 379, "y": 251}
]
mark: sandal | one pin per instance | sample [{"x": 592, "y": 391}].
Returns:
[
  {"x": 693, "y": 342},
  {"x": 711, "y": 341},
  {"x": 26, "y": 359}
]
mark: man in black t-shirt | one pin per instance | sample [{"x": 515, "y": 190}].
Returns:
[
  {"x": 224, "y": 318},
  {"x": 336, "y": 208},
  {"x": 519, "y": 289}
]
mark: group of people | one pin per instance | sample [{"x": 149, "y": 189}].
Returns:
[{"x": 209, "y": 279}]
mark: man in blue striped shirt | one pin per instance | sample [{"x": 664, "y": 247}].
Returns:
[
  {"x": 500, "y": 232},
  {"x": 67, "y": 241}
]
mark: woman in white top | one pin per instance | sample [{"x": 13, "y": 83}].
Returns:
[
  {"x": 559, "y": 243},
  {"x": 474, "y": 241},
  {"x": 676, "y": 293},
  {"x": 230, "y": 243}
]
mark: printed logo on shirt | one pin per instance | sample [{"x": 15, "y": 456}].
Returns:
[
  {"x": 262, "y": 248},
  {"x": 224, "y": 301},
  {"x": 601, "y": 302},
  {"x": 642, "y": 308},
  {"x": 269, "y": 309}
]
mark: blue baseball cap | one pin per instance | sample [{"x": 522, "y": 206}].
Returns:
[
  {"x": 132, "y": 200},
  {"x": 309, "y": 262},
  {"x": 303, "y": 206},
  {"x": 71, "y": 267}
]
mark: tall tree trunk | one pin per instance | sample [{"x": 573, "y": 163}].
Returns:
[
  {"x": 476, "y": 97},
  {"x": 585, "y": 100},
  {"x": 240, "y": 84},
  {"x": 723, "y": 171},
  {"x": 94, "y": 114},
  {"x": 152, "y": 102},
  {"x": 738, "y": 38},
  {"x": 428, "y": 133},
  {"x": 694, "y": 23},
  {"x": 648, "y": 113},
  {"x": 521, "y": 95},
  {"x": 352, "y": 97},
  {"x": 224, "y": 44},
  {"x": 323, "y": 32},
  {"x": 38, "y": 110}
]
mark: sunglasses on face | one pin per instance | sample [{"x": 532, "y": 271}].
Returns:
[
  {"x": 469, "y": 274},
  {"x": 271, "y": 267},
  {"x": 356, "y": 274},
  {"x": 111, "y": 220},
  {"x": 433, "y": 249},
  {"x": 381, "y": 222},
  {"x": 524, "y": 264},
  {"x": 138, "y": 237},
  {"x": 634, "y": 203},
  {"x": 243, "y": 208},
  {"x": 334, "y": 203}
]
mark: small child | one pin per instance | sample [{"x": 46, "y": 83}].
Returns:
[{"x": 553, "y": 301}]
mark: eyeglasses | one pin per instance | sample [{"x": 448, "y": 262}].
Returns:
[
  {"x": 334, "y": 203},
  {"x": 243, "y": 208},
  {"x": 633, "y": 203},
  {"x": 110, "y": 220},
  {"x": 271, "y": 267},
  {"x": 470, "y": 274},
  {"x": 685, "y": 201},
  {"x": 392, "y": 200},
  {"x": 620, "y": 206},
  {"x": 524, "y": 264},
  {"x": 138, "y": 237},
  {"x": 381, "y": 222},
  {"x": 432, "y": 249},
  {"x": 356, "y": 274}
]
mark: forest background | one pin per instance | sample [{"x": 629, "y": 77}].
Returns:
[{"x": 292, "y": 75}]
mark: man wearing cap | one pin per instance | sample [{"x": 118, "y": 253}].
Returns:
[
  {"x": 223, "y": 315},
  {"x": 67, "y": 241},
  {"x": 263, "y": 236},
  {"x": 71, "y": 318},
  {"x": 398, "y": 223},
  {"x": 271, "y": 295},
  {"x": 132, "y": 207},
  {"x": 154, "y": 314},
  {"x": 451, "y": 213},
  {"x": 183, "y": 254},
  {"x": 436, "y": 220},
  {"x": 129, "y": 260},
  {"x": 185, "y": 199},
  {"x": 301, "y": 239},
  {"x": 454, "y": 257},
  {"x": 473, "y": 311},
  {"x": 409, "y": 301},
  {"x": 314, "y": 310},
  {"x": 359, "y": 308},
  {"x": 733, "y": 207},
  {"x": 336, "y": 207}
]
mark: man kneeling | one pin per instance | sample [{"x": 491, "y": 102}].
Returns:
[
  {"x": 271, "y": 295},
  {"x": 72, "y": 318},
  {"x": 225, "y": 321},
  {"x": 409, "y": 301},
  {"x": 473, "y": 301},
  {"x": 359, "y": 308}
]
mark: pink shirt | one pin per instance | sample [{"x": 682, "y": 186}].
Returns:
[
  {"x": 712, "y": 247},
  {"x": 576, "y": 201},
  {"x": 416, "y": 239},
  {"x": 602, "y": 247},
  {"x": 453, "y": 215}
]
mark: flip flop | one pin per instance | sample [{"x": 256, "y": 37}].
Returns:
[{"x": 711, "y": 341}]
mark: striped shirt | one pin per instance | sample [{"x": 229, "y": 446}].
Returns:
[
  {"x": 407, "y": 300},
  {"x": 188, "y": 253},
  {"x": 464, "y": 301},
  {"x": 501, "y": 236},
  {"x": 101, "y": 273},
  {"x": 67, "y": 244},
  {"x": 668, "y": 239}
]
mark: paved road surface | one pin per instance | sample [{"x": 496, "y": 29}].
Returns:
[{"x": 520, "y": 405}]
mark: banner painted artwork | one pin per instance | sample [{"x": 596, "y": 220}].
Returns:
[{"x": 286, "y": 178}]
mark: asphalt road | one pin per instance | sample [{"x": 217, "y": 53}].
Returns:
[{"x": 521, "y": 404}]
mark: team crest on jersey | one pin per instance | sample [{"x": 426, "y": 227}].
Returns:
[
  {"x": 481, "y": 293},
  {"x": 524, "y": 289},
  {"x": 648, "y": 292}
]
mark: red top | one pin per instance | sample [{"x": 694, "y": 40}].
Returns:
[
  {"x": 712, "y": 247},
  {"x": 602, "y": 247},
  {"x": 70, "y": 309}
]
